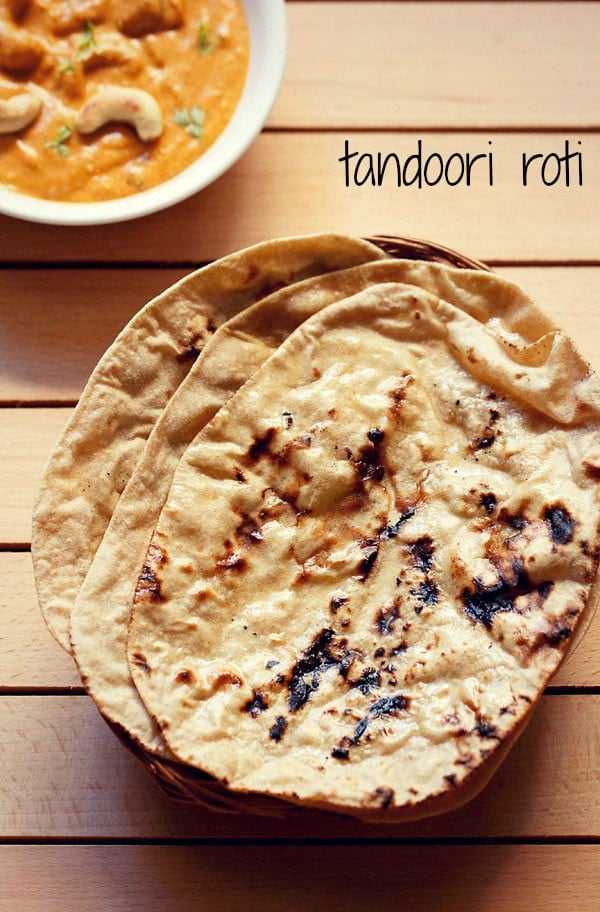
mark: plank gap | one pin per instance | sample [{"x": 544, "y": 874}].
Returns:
[
  {"x": 123, "y": 265},
  {"x": 36, "y": 691},
  {"x": 174, "y": 265},
  {"x": 569, "y": 690},
  {"x": 305, "y": 841},
  {"x": 37, "y": 403},
  {"x": 402, "y": 129},
  {"x": 425, "y": 2}
]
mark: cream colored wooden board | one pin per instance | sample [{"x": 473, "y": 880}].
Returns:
[
  {"x": 300, "y": 878},
  {"x": 65, "y": 774},
  {"x": 42, "y": 360},
  {"x": 290, "y": 183},
  {"x": 29, "y": 656},
  {"x": 440, "y": 64},
  {"x": 55, "y": 324},
  {"x": 27, "y": 437}
]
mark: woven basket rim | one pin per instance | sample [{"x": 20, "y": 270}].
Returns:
[{"x": 192, "y": 786}]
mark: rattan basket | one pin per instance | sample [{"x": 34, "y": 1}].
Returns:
[{"x": 186, "y": 784}]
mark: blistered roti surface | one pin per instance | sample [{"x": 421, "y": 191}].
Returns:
[
  {"x": 100, "y": 615},
  {"x": 130, "y": 387},
  {"x": 374, "y": 557}
]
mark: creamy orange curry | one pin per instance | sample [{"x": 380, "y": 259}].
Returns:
[{"x": 104, "y": 98}]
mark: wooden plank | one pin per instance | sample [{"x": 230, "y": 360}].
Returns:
[
  {"x": 27, "y": 437},
  {"x": 39, "y": 361},
  {"x": 38, "y": 358},
  {"x": 66, "y": 775},
  {"x": 290, "y": 184},
  {"x": 440, "y": 64},
  {"x": 29, "y": 657},
  {"x": 297, "y": 878}
]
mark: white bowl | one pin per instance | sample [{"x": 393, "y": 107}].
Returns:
[{"x": 268, "y": 43}]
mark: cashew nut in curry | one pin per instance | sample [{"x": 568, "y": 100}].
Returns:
[
  {"x": 181, "y": 64},
  {"x": 18, "y": 112},
  {"x": 115, "y": 104}
]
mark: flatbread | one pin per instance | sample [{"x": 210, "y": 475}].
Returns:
[
  {"x": 130, "y": 387},
  {"x": 373, "y": 558},
  {"x": 100, "y": 616}
]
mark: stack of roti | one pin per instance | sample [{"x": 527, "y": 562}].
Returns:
[{"x": 324, "y": 524}]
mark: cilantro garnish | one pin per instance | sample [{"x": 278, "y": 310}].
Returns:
[
  {"x": 190, "y": 118},
  {"x": 87, "y": 41},
  {"x": 205, "y": 40},
  {"x": 63, "y": 135},
  {"x": 66, "y": 66}
]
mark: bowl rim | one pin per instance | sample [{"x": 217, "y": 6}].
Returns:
[{"x": 267, "y": 26}]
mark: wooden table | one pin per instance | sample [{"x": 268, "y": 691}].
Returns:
[{"x": 82, "y": 827}]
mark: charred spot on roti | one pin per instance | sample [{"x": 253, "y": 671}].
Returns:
[
  {"x": 385, "y": 706},
  {"x": 383, "y": 796},
  {"x": 369, "y": 679},
  {"x": 379, "y": 652},
  {"x": 140, "y": 661},
  {"x": 191, "y": 353},
  {"x": 484, "y": 443},
  {"x": 560, "y": 524},
  {"x": 256, "y": 705},
  {"x": 185, "y": 676},
  {"x": 592, "y": 470},
  {"x": 392, "y": 529},
  {"x": 559, "y": 630},
  {"x": 399, "y": 649},
  {"x": 398, "y": 394},
  {"x": 370, "y": 548},
  {"x": 427, "y": 593},
  {"x": 485, "y": 729},
  {"x": 323, "y": 653},
  {"x": 545, "y": 589},
  {"x": 340, "y": 753},
  {"x": 336, "y": 603},
  {"x": 240, "y": 477},
  {"x": 316, "y": 659},
  {"x": 368, "y": 465},
  {"x": 376, "y": 436},
  {"x": 277, "y": 730},
  {"x": 386, "y": 617},
  {"x": 482, "y": 602},
  {"x": 494, "y": 416},
  {"x": 287, "y": 420},
  {"x": 421, "y": 551},
  {"x": 451, "y": 779},
  {"x": 248, "y": 533},
  {"x": 514, "y": 520},
  {"x": 261, "y": 446},
  {"x": 203, "y": 595},
  {"x": 488, "y": 502},
  {"x": 593, "y": 553},
  {"x": 232, "y": 562},
  {"x": 226, "y": 679},
  {"x": 149, "y": 582},
  {"x": 302, "y": 442}
]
